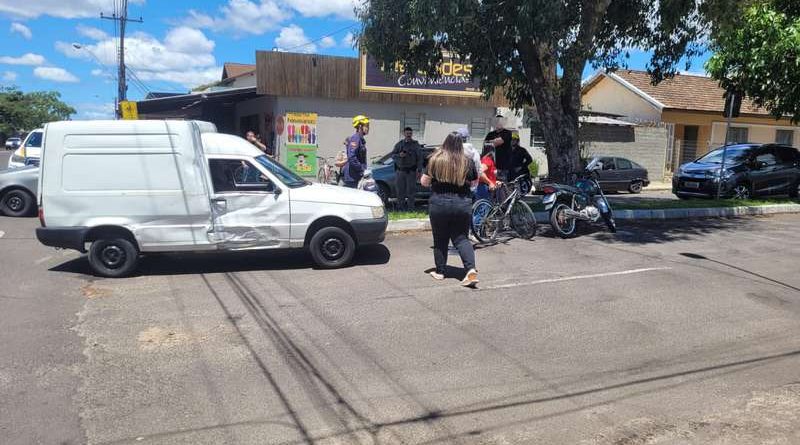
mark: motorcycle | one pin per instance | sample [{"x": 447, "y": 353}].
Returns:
[{"x": 584, "y": 201}]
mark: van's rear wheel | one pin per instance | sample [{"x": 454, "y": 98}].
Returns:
[
  {"x": 113, "y": 258},
  {"x": 332, "y": 247}
]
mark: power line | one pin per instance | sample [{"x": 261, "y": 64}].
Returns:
[
  {"x": 120, "y": 17},
  {"x": 323, "y": 37}
]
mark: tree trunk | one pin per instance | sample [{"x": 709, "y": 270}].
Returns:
[
  {"x": 562, "y": 141},
  {"x": 558, "y": 105}
]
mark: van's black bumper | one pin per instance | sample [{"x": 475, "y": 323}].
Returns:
[
  {"x": 63, "y": 237},
  {"x": 370, "y": 231}
]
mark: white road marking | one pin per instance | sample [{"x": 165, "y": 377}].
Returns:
[
  {"x": 2, "y": 234},
  {"x": 43, "y": 260},
  {"x": 578, "y": 277}
]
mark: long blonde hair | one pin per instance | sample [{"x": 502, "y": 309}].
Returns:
[{"x": 449, "y": 164}]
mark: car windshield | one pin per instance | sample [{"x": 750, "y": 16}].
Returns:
[
  {"x": 286, "y": 176},
  {"x": 34, "y": 140},
  {"x": 734, "y": 154}
]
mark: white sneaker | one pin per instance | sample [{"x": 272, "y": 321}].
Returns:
[
  {"x": 471, "y": 279},
  {"x": 436, "y": 275}
]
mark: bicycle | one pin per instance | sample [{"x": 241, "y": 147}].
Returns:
[
  {"x": 490, "y": 218},
  {"x": 327, "y": 173}
]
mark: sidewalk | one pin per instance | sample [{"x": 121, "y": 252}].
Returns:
[{"x": 413, "y": 225}]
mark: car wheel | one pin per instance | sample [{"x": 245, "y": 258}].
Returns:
[
  {"x": 635, "y": 187},
  {"x": 17, "y": 203},
  {"x": 113, "y": 258},
  {"x": 332, "y": 247},
  {"x": 384, "y": 193},
  {"x": 741, "y": 191}
]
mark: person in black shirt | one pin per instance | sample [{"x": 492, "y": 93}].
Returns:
[
  {"x": 407, "y": 156},
  {"x": 520, "y": 158},
  {"x": 449, "y": 175},
  {"x": 500, "y": 137}
]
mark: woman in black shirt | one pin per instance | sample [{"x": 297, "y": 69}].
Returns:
[{"x": 449, "y": 175}]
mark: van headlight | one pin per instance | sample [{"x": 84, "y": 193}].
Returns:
[
  {"x": 17, "y": 159},
  {"x": 378, "y": 212}
]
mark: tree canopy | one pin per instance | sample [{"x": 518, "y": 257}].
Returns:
[
  {"x": 757, "y": 52},
  {"x": 536, "y": 50},
  {"x": 21, "y": 112}
]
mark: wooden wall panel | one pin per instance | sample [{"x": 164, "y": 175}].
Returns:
[{"x": 310, "y": 75}]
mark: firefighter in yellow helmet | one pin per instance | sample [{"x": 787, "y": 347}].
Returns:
[{"x": 356, "y": 152}]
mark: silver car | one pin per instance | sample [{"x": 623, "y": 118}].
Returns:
[{"x": 18, "y": 191}]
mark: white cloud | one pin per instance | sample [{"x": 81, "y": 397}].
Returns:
[
  {"x": 241, "y": 17},
  {"x": 293, "y": 38},
  {"x": 22, "y": 30},
  {"x": 314, "y": 8},
  {"x": 55, "y": 74},
  {"x": 187, "y": 40},
  {"x": 25, "y": 59},
  {"x": 327, "y": 42},
  {"x": 68, "y": 9},
  {"x": 95, "y": 111},
  {"x": 91, "y": 32},
  {"x": 185, "y": 56},
  {"x": 349, "y": 40},
  {"x": 9, "y": 76}
]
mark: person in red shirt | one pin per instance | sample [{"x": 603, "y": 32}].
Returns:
[{"x": 488, "y": 177}]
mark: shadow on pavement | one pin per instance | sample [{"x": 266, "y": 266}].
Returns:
[
  {"x": 660, "y": 232},
  {"x": 224, "y": 262}
]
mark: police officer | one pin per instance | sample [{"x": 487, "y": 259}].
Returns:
[
  {"x": 407, "y": 156},
  {"x": 353, "y": 170}
]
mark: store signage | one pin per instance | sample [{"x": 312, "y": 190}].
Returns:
[
  {"x": 301, "y": 142},
  {"x": 455, "y": 79}
]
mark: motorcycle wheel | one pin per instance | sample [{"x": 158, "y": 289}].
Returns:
[
  {"x": 563, "y": 225},
  {"x": 523, "y": 221},
  {"x": 609, "y": 219}
]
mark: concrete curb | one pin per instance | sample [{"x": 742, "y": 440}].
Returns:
[{"x": 417, "y": 225}]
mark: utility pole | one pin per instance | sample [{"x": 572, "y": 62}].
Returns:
[{"x": 122, "y": 19}]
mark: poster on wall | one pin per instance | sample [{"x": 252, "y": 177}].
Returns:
[{"x": 301, "y": 143}]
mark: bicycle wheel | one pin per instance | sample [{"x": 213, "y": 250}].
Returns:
[
  {"x": 480, "y": 210},
  {"x": 522, "y": 220},
  {"x": 321, "y": 176},
  {"x": 490, "y": 226}
]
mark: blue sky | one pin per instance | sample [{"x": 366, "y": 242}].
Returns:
[{"x": 181, "y": 43}]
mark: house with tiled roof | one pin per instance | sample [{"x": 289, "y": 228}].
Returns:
[{"x": 691, "y": 106}]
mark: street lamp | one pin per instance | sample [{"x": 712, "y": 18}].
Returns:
[{"x": 79, "y": 47}]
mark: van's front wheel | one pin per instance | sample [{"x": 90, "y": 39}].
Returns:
[
  {"x": 113, "y": 258},
  {"x": 332, "y": 247}
]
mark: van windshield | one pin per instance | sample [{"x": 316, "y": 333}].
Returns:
[{"x": 286, "y": 176}]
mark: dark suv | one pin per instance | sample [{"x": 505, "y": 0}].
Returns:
[{"x": 750, "y": 170}]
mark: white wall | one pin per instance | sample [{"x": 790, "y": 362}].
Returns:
[
  {"x": 762, "y": 134},
  {"x": 335, "y": 121},
  {"x": 608, "y": 96}
]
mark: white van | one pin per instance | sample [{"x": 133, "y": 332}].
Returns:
[{"x": 123, "y": 188}]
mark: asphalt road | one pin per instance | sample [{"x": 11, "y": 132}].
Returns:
[{"x": 685, "y": 332}]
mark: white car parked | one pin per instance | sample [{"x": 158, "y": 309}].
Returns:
[
  {"x": 30, "y": 152},
  {"x": 129, "y": 187}
]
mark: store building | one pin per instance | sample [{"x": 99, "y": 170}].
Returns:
[{"x": 327, "y": 92}]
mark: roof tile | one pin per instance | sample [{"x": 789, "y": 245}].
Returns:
[{"x": 686, "y": 92}]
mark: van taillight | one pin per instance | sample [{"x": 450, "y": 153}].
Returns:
[{"x": 41, "y": 216}]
